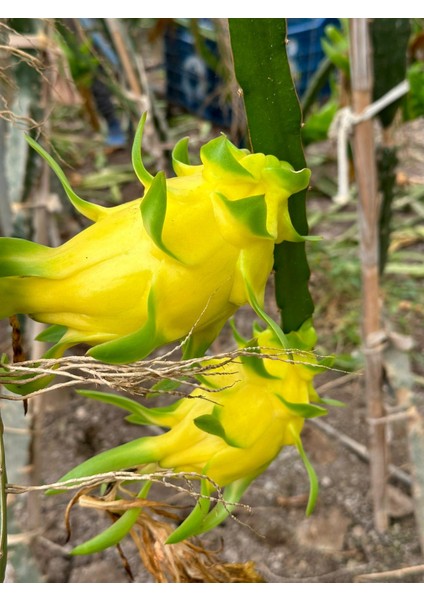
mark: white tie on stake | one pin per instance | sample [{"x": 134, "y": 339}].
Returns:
[{"x": 341, "y": 128}]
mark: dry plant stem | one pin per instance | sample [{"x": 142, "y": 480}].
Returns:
[
  {"x": 115, "y": 31},
  {"x": 416, "y": 452},
  {"x": 368, "y": 212},
  {"x": 41, "y": 228},
  {"x": 397, "y": 574},
  {"x": 5, "y": 91},
  {"x": 5, "y": 228},
  {"x": 164, "y": 478},
  {"x": 238, "y": 119},
  {"x": 361, "y": 451},
  {"x": 135, "y": 378},
  {"x": 135, "y": 79},
  {"x": 3, "y": 507}
]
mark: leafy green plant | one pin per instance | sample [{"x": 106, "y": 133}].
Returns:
[
  {"x": 413, "y": 107},
  {"x": 336, "y": 46}
]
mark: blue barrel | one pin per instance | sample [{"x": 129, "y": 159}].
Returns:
[{"x": 194, "y": 86}]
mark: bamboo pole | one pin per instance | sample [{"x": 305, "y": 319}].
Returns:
[
  {"x": 368, "y": 215},
  {"x": 5, "y": 228}
]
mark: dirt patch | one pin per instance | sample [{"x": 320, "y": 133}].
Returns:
[{"x": 337, "y": 543}]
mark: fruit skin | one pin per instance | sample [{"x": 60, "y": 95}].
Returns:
[{"x": 176, "y": 262}]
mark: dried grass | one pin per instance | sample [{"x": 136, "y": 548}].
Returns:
[{"x": 139, "y": 377}]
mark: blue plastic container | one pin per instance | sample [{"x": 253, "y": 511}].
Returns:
[
  {"x": 190, "y": 82},
  {"x": 192, "y": 85},
  {"x": 304, "y": 48}
]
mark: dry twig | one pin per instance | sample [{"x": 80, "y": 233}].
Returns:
[
  {"x": 139, "y": 377},
  {"x": 397, "y": 574}
]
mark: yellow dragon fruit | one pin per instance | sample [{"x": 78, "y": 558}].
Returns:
[
  {"x": 229, "y": 430},
  {"x": 181, "y": 259}
]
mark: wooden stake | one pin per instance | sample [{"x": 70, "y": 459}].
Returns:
[
  {"x": 41, "y": 228},
  {"x": 368, "y": 214},
  {"x": 5, "y": 229}
]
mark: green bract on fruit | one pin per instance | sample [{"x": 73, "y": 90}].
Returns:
[{"x": 181, "y": 259}]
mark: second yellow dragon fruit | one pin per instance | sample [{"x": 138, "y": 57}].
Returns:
[{"x": 228, "y": 430}]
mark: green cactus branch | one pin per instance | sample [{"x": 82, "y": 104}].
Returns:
[{"x": 274, "y": 121}]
